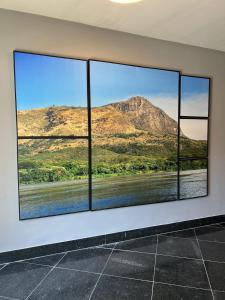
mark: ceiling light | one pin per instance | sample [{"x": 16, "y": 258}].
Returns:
[{"x": 125, "y": 1}]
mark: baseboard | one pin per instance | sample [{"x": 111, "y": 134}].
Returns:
[{"x": 17, "y": 255}]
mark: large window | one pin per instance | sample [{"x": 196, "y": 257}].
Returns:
[{"x": 95, "y": 135}]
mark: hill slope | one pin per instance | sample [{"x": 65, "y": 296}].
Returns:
[
  {"x": 133, "y": 115},
  {"x": 129, "y": 137}
]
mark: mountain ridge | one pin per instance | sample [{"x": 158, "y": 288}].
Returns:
[{"x": 135, "y": 114}]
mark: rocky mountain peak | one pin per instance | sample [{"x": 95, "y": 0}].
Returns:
[{"x": 133, "y": 104}]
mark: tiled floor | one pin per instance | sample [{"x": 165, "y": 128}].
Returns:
[{"x": 182, "y": 265}]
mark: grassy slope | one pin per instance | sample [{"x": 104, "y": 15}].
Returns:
[{"x": 113, "y": 155}]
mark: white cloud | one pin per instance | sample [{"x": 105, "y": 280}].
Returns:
[
  {"x": 194, "y": 129},
  {"x": 168, "y": 104},
  {"x": 195, "y": 105}
]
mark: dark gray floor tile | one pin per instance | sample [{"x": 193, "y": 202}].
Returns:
[
  {"x": 178, "y": 247},
  {"x": 211, "y": 233},
  {"x": 213, "y": 251},
  {"x": 112, "y": 288},
  {"x": 187, "y": 233},
  {"x": 90, "y": 242},
  {"x": 50, "y": 260},
  {"x": 17, "y": 280},
  {"x": 91, "y": 259},
  {"x": 115, "y": 237},
  {"x": 171, "y": 292},
  {"x": 181, "y": 271},
  {"x": 216, "y": 272},
  {"x": 219, "y": 295},
  {"x": 131, "y": 264},
  {"x": 66, "y": 284},
  {"x": 146, "y": 244}
]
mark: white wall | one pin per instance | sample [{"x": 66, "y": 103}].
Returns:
[{"x": 34, "y": 33}]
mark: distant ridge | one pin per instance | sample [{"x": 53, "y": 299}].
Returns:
[{"x": 135, "y": 114}]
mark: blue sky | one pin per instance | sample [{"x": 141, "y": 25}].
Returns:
[
  {"x": 194, "y": 96},
  {"x": 43, "y": 81},
  {"x": 114, "y": 82},
  {"x": 193, "y": 85}
]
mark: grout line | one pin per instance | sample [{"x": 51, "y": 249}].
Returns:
[
  {"x": 208, "y": 241},
  {"x": 218, "y": 291},
  {"x": 125, "y": 277},
  {"x": 2, "y": 267},
  {"x": 215, "y": 261},
  {"x": 205, "y": 267},
  {"x": 103, "y": 269},
  {"x": 153, "y": 280},
  {"x": 63, "y": 268},
  {"x": 40, "y": 256},
  {"x": 9, "y": 298},
  {"x": 45, "y": 277},
  {"x": 151, "y": 235},
  {"x": 183, "y": 286},
  {"x": 176, "y": 256},
  {"x": 133, "y": 251}
]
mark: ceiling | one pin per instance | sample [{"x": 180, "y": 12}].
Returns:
[{"x": 193, "y": 22}]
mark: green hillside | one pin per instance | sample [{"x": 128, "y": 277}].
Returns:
[{"x": 128, "y": 137}]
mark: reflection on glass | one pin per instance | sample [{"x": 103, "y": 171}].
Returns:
[
  {"x": 51, "y": 95},
  {"x": 193, "y": 138},
  {"x": 193, "y": 178},
  {"x": 194, "y": 96},
  {"x": 53, "y": 177},
  {"x": 134, "y": 131}
]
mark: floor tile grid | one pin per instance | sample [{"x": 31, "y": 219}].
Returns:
[
  {"x": 164, "y": 233},
  {"x": 101, "y": 273},
  {"x": 45, "y": 277},
  {"x": 205, "y": 266},
  {"x": 153, "y": 280},
  {"x": 123, "y": 250},
  {"x": 135, "y": 251}
]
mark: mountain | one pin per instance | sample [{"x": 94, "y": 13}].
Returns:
[
  {"x": 129, "y": 137},
  {"x": 134, "y": 115},
  {"x": 145, "y": 116}
]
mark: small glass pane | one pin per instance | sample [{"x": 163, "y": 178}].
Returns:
[
  {"x": 193, "y": 178},
  {"x": 193, "y": 138},
  {"x": 51, "y": 95},
  {"x": 194, "y": 96},
  {"x": 53, "y": 177}
]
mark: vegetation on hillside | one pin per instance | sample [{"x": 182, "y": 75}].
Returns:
[
  {"x": 129, "y": 137},
  {"x": 61, "y": 160}
]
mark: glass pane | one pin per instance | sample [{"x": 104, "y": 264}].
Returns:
[
  {"x": 194, "y": 96},
  {"x": 193, "y": 138},
  {"x": 134, "y": 132},
  {"x": 193, "y": 178},
  {"x": 51, "y": 95},
  {"x": 53, "y": 177}
]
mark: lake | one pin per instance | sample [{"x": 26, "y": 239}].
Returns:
[{"x": 49, "y": 199}]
